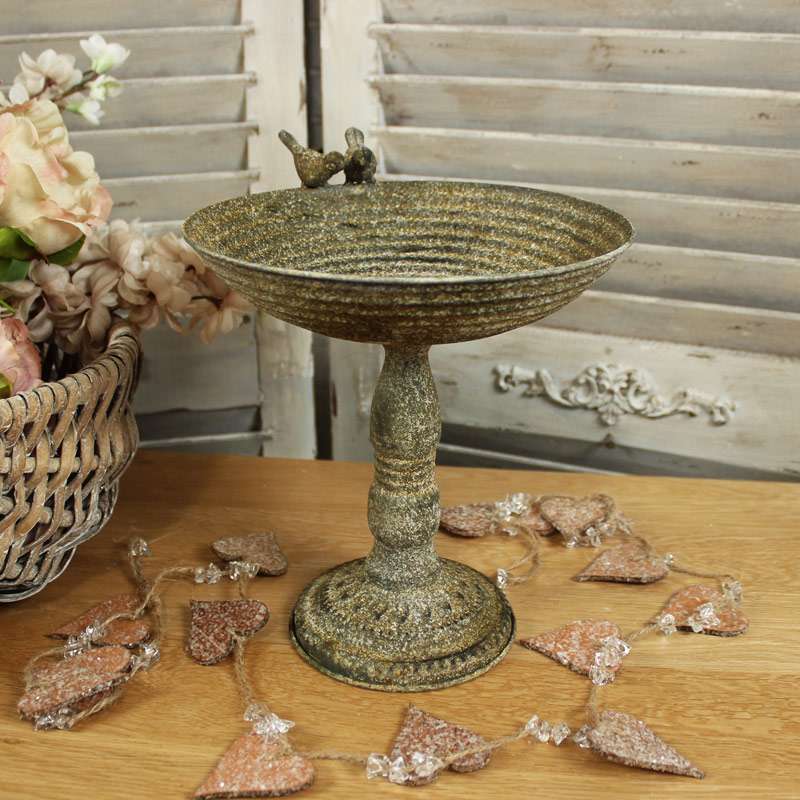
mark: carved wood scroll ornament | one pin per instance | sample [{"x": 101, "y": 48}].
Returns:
[{"x": 613, "y": 392}]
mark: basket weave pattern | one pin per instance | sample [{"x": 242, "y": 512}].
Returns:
[{"x": 65, "y": 446}]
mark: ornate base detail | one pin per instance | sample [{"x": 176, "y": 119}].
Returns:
[{"x": 451, "y": 629}]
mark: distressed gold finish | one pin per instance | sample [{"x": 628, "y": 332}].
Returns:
[{"x": 407, "y": 265}]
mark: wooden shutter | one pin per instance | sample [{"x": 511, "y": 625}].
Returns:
[
  {"x": 206, "y": 88},
  {"x": 683, "y": 115}
]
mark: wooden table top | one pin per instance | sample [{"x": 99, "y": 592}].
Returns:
[{"x": 731, "y": 706}]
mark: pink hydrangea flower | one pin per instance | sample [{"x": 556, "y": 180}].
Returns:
[{"x": 19, "y": 361}]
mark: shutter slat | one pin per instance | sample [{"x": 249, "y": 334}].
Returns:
[
  {"x": 755, "y": 15},
  {"x": 24, "y": 16},
  {"x": 191, "y": 50},
  {"x": 757, "y": 60},
  {"x": 709, "y": 276},
  {"x": 166, "y": 149},
  {"x": 755, "y": 330},
  {"x": 708, "y": 223},
  {"x": 165, "y": 197},
  {"x": 754, "y": 117},
  {"x": 163, "y": 101},
  {"x": 677, "y": 167}
]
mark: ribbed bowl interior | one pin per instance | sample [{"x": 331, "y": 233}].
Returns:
[{"x": 424, "y": 262}]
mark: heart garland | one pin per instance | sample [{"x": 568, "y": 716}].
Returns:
[{"x": 106, "y": 645}]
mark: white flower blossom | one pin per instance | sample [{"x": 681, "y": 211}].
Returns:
[
  {"x": 56, "y": 68},
  {"x": 18, "y": 94},
  {"x": 88, "y": 109},
  {"x": 104, "y": 86},
  {"x": 105, "y": 56}
]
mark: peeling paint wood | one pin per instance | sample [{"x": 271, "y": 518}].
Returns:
[
  {"x": 155, "y": 197},
  {"x": 764, "y": 388},
  {"x": 750, "y": 15},
  {"x": 285, "y": 367},
  {"x": 46, "y": 16},
  {"x": 755, "y": 330},
  {"x": 714, "y": 58},
  {"x": 192, "y": 49},
  {"x": 707, "y": 276},
  {"x": 167, "y": 149},
  {"x": 755, "y": 173},
  {"x": 721, "y": 115}
]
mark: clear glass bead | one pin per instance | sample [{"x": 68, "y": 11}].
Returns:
[
  {"x": 425, "y": 764},
  {"x": 669, "y": 559},
  {"x": 601, "y": 676},
  {"x": 667, "y": 625},
  {"x": 271, "y": 725},
  {"x": 538, "y": 728},
  {"x": 581, "y": 737},
  {"x": 502, "y": 578},
  {"x": 199, "y": 574},
  {"x": 243, "y": 569},
  {"x": 255, "y": 711},
  {"x": 44, "y": 722},
  {"x": 213, "y": 573},
  {"x": 573, "y": 541},
  {"x": 73, "y": 646},
  {"x": 560, "y": 733},
  {"x": 513, "y": 506},
  {"x": 377, "y": 766},
  {"x": 398, "y": 770},
  {"x": 140, "y": 548},
  {"x": 147, "y": 656},
  {"x": 732, "y": 591}
]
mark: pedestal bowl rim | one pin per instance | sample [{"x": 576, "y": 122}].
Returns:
[{"x": 194, "y": 220}]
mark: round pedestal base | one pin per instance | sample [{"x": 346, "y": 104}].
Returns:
[{"x": 397, "y": 639}]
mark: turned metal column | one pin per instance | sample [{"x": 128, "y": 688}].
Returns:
[{"x": 403, "y": 509}]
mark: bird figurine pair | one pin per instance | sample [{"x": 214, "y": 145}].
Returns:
[{"x": 315, "y": 169}]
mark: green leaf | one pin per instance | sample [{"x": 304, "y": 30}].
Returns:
[
  {"x": 15, "y": 244},
  {"x": 68, "y": 254},
  {"x": 15, "y": 271},
  {"x": 7, "y": 306},
  {"x": 6, "y": 387}
]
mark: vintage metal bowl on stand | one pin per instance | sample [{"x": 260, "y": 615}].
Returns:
[{"x": 407, "y": 265}]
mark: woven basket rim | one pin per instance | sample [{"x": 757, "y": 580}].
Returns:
[{"x": 120, "y": 330}]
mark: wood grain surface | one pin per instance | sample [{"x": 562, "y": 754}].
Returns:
[{"x": 729, "y": 705}]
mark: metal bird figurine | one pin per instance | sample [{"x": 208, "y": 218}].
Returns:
[
  {"x": 359, "y": 161},
  {"x": 313, "y": 168}
]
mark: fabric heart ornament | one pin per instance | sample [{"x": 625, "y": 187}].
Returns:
[
  {"x": 475, "y": 519},
  {"x": 424, "y": 734},
  {"x": 627, "y": 740},
  {"x": 573, "y": 518},
  {"x": 255, "y": 548},
  {"x": 576, "y": 645},
  {"x": 215, "y": 621},
  {"x": 686, "y": 606},
  {"x": 626, "y": 563},
  {"x": 255, "y": 766},
  {"x": 124, "y": 632},
  {"x": 75, "y": 683}
]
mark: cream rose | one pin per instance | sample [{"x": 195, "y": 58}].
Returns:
[{"x": 48, "y": 191}]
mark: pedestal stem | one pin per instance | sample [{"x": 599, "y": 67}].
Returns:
[{"x": 403, "y": 510}]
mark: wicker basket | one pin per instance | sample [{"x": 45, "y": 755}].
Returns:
[{"x": 65, "y": 446}]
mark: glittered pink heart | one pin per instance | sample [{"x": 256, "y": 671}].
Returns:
[
  {"x": 254, "y": 767},
  {"x": 256, "y": 548},
  {"x": 627, "y": 740},
  {"x": 626, "y": 563},
  {"x": 732, "y": 621},
  {"x": 575, "y": 645},
  {"x": 571, "y": 517},
  {"x": 125, "y": 632},
  {"x": 474, "y": 519},
  {"x": 428, "y": 735},
  {"x": 75, "y": 682},
  {"x": 215, "y": 621}
]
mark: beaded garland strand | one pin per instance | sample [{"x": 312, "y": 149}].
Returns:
[{"x": 586, "y": 522}]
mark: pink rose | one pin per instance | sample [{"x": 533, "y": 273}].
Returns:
[
  {"x": 48, "y": 191},
  {"x": 19, "y": 361}
]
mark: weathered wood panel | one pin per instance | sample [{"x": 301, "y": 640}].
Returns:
[
  {"x": 713, "y": 58},
  {"x": 165, "y": 149},
  {"x": 763, "y": 389},
  {"x": 744, "y": 15},
  {"x": 154, "y": 53},
  {"x": 45, "y": 16},
  {"x": 755, "y": 173},
  {"x": 721, "y": 115}
]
